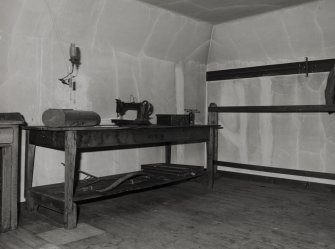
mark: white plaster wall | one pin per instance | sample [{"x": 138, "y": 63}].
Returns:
[
  {"x": 299, "y": 141},
  {"x": 127, "y": 48}
]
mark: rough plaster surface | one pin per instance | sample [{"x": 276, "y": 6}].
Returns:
[
  {"x": 299, "y": 141},
  {"x": 128, "y": 48},
  {"x": 218, "y": 11}
]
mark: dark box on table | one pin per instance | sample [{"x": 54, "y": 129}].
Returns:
[{"x": 173, "y": 119}]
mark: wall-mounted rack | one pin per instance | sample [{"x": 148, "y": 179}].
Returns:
[
  {"x": 305, "y": 67},
  {"x": 214, "y": 110}
]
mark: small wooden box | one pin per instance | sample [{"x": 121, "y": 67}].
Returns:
[{"x": 173, "y": 119}]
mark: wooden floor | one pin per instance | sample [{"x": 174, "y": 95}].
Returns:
[{"x": 237, "y": 214}]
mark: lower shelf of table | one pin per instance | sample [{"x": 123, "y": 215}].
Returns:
[{"x": 154, "y": 175}]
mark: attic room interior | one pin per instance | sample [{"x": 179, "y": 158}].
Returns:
[{"x": 167, "y": 124}]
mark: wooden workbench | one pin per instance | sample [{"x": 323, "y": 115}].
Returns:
[
  {"x": 9, "y": 160},
  {"x": 73, "y": 140}
]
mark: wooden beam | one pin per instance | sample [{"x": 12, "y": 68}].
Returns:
[
  {"x": 277, "y": 170},
  {"x": 304, "y": 67},
  {"x": 274, "y": 109}
]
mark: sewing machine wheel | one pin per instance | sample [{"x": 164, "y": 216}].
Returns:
[{"x": 149, "y": 108}]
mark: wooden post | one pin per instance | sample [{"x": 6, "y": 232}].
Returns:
[
  {"x": 210, "y": 154},
  {"x": 213, "y": 119},
  {"x": 15, "y": 176},
  {"x": 168, "y": 154},
  {"x": 29, "y": 172},
  {"x": 70, "y": 208}
]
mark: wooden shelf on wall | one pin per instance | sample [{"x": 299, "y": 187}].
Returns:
[{"x": 274, "y": 109}]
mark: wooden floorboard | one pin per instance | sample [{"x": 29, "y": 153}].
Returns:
[{"x": 237, "y": 214}]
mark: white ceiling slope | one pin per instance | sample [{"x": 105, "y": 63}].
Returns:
[{"x": 218, "y": 11}]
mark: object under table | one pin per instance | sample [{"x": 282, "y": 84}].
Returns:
[{"x": 62, "y": 197}]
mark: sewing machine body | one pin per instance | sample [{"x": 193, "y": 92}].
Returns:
[{"x": 144, "y": 109}]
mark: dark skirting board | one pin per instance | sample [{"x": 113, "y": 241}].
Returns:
[{"x": 295, "y": 172}]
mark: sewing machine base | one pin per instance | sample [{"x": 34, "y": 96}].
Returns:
[{"x": 127, "y": 122}]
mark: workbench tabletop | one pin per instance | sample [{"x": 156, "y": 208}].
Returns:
[{"x": 107, "y": 127}]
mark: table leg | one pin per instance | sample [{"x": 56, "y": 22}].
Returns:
[
  {"x": 210, "y": 157},
  {"x": 14, "y": 177},
  {"x": 5, "y": 218},
  {"x": 29, "y": 172},
  {"x": 70, "y": 214},
  {"x": 168, "y": 154}
]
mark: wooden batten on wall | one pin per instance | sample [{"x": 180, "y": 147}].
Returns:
[{"x": 304, "y": 67}]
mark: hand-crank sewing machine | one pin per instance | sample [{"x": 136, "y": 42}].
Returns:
[{"x": 144, "y": 110}]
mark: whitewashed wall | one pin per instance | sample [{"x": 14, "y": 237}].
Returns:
[
  {"x": 128, "y": 48},
  {"x": 299, "y": 141}
]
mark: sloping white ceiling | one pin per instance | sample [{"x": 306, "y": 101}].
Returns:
[{"x": 218, "y": 11}]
